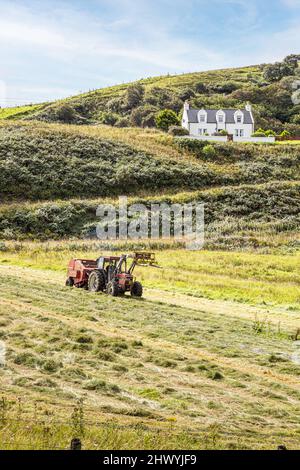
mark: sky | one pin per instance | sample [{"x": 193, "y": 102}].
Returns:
[{"x": 53, "y": 49}]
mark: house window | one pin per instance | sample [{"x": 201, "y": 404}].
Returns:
[
  {"x": 221, "y": 118},
  {"x": 204, "y": 131},
  {"x": 202, "y": 118},
  {"x": 239, "y": 119},
  {"x": 242, "y": 133},
  {"x": 237, "y": 133},
  {"x": 200, "y": 131}
]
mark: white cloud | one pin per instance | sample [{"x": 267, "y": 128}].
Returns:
[
  {"x": 292, "y": 3},
  {"x": 77, "y": 36}
]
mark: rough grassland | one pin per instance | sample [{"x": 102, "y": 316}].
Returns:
[
  {"x": 96, "y": 98},
  {"x": 170, "y": 371}
]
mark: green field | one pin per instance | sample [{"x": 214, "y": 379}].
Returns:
[{"x": 172, "y": 365}]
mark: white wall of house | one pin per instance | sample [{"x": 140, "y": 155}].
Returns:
[
  {"x": 198, "y": 129},
  {"x": 268, "y": 140},
  {"x": 209, "y": 138}
]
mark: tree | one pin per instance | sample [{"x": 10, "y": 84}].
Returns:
[
  {"x": 166, "y": 119},
  {"x": 143, "y": 116},
  {"x": 134, "y": 95},
  {"x": 275, "y": 72},
  {"x": 292, "y": 60}
]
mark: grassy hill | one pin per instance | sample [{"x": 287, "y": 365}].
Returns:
[
  {"x": 136, "y": 104},
  {"x": 53, "y": 177}
]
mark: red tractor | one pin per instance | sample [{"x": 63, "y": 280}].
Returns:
[{"x": 110, "y": 274}]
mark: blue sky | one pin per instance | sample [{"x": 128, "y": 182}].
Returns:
[{"x": 51, "y": 49}]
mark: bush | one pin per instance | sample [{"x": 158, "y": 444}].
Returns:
[
  {"x": 209, "y": 151},
  {"x": 296, "y": 119},
  {"x": 134, "y": 95},
  {"x": 143, "y": 116},
  {"x": 270, "y": 133},
  {"x": 201, "y": 88},
  {"x": 186, "y": 94},
  {"x": 285, "y": 134},
  {"x": 277, "y": 71},
  {"x": 225, "y": 87},
  {"x": 178, "y": 131},
  {"x": 166, "y": 118},
  {"x": 123, "y": 122},
  {"x": 259, "y": 133},
  {"x": 108, "y": 118},
  {"x": 66, "y": 114}
]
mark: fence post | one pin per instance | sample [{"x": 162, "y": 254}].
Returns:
[{"x": 76, "y": 444}]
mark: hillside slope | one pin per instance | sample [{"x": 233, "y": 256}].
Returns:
[
  {"x": 53, "y": 177},
  {"x": 137, "y": 104}
]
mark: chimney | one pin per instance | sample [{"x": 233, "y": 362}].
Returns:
[
  {"x": 248, "y": 107},
  {"x": 186, "y": 106}
]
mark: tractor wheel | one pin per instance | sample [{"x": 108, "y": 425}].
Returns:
[
  {"x": 70, "y": 282},
  {"x": 113, "y": 289},
  {"x": 137, "y": 289},
  {"x": 96, "y": 282}
]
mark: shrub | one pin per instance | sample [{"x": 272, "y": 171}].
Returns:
[
  {"x": 166, "y": 118},
  {"x": 143, "y": 116},
  {"x": 178, "y": 131},
  {"x": 259, "y": 133},
  {"x": 66, "y": 114},
  {"x": 116, "y": 105},
  {"x": 134, "y": 95},
  {"x": 123, "y": 122},
  {"x": 225, "y": 87},
  {"x": 285, "y": 134},
  {"x": 275, "y": 72},
  {"x": 201, "y": 88},
  {"x": 209, "y": 151},
  {"x": 108, "y": 118},
  {"x": 186, "y": 94},
  {"x": 270, "y": 133},
  {"x": 296, "y": 119}
]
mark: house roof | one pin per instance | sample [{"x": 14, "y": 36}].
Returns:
[{"x": 212, "y": 115}]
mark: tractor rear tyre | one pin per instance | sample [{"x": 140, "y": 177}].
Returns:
[
  {"x": 70, "y": 282},
  {"x": 137, "y": 289},
  {"x": 96, "y": 282},
  {"x": 113, "y": 289}
]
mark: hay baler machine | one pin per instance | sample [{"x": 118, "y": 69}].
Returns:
[{"x": 110, "y": 274}]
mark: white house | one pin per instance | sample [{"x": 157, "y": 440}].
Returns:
[{"x": 206, "y": 122}]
